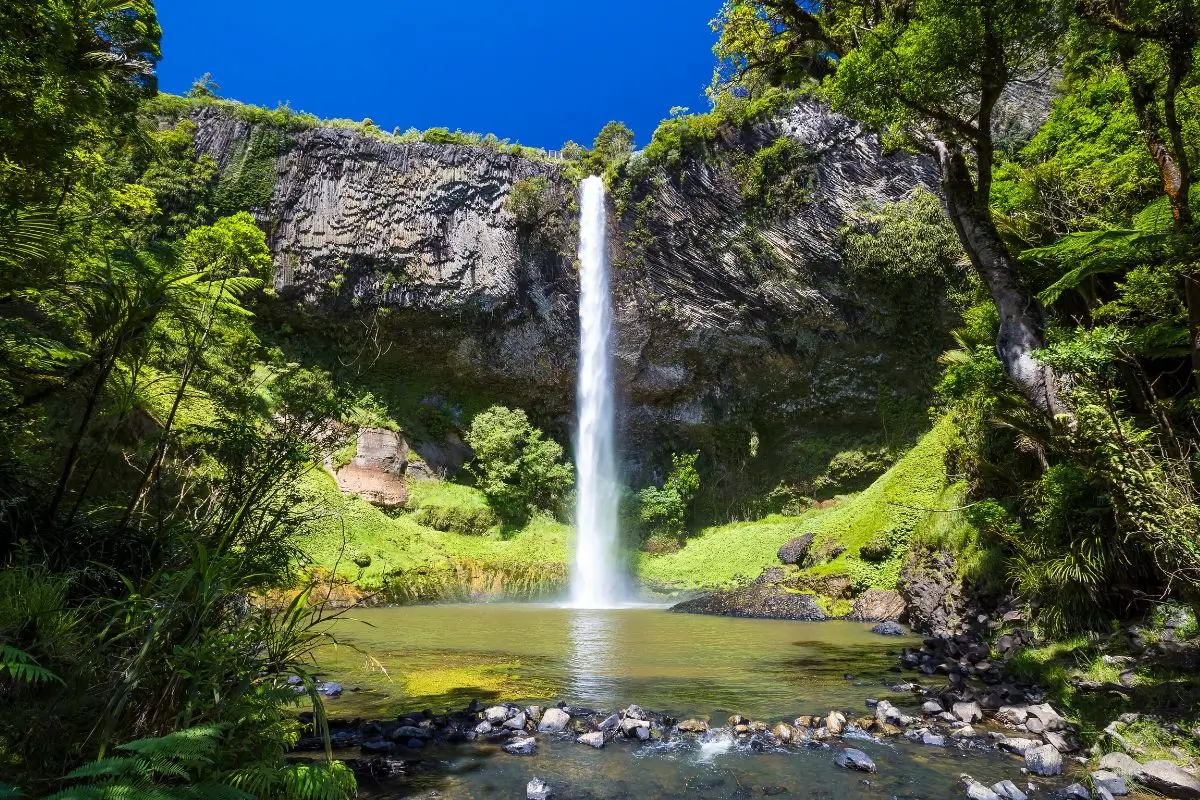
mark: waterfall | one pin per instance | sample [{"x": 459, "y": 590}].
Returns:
[{"x": 596, "y": 580}]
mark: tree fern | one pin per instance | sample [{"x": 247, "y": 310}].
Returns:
[{"x": 23, "y": 668}]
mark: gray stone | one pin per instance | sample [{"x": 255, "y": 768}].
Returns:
[
  {"x": 1061, "y": 743},
  {"x": 538, "y": 789},
  {"x": 932, "y": 707},
  {"x": 376, "y": 747},
  {"x": 554, "y": 720},
  {"x": 1009, "y": 791},
  {"x": 1044, "y": 761},
  {"x": 933, "y": 739},
  {"x": 1051, "y": 720},
  {"x": 520, "y": 746},
  {"x": 968, "y": 712},
  {"x": 1121, "y": 764},
  {"x": 851, "y": 758},
  {"x": 835, "y": 723},
  {"x": 516, "y": 723},
  {"x": 496, "y": 714},
  {"x": 1012, "y": 715},
  {"x": 593, "y": 739},
  {"x": 977, "y": 791},
  {"x": 1018, "y": 744},
  {"x": 1076, "y": 791},
  {"x": 965, "y": 732},
  {"x": 1169, "y": 780},
  {"x": 610, "y": 723},
  {"x": 484, "y": 728},
  {"x": 1113, "y": 783},
  {"x": 794, "y": 550},
  {"x": 635, "y": 729}
]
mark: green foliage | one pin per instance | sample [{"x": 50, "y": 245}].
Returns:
[
  {"x": 21, "y": 667},
  {"x": 519, "y": 470},
  {"x": 451, "y": 507},
  {"x": 775, "y": 180},
  {"x": 664, "y": 511}
]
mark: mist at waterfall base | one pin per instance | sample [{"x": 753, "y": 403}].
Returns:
[{"x": 597, "y": 580}]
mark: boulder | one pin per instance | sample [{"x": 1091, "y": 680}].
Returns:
[
  {"x": 851, "y": 758},
  {"x": 1050, "y": 719},
  {"x": 330, "y": 689},
  {"x": 538, "y": 789},
  {"x": 1169, "y": 780},
  {"x": 1017, "y": 744},
  {"x": 376, "y": 747},
  {"x": 1121, "y": 764},
  {"x": 1012, "y": 715},
  {"x": 932, "y": 708},
  {"x": 757, "y": 601},
  {"x": 794, "y": 550},
  {"x": 593, "y": 739},
  {"x": 783, "y": 732},
  {"x": 496, "y": 714},
  {"x": 977, "y": 791},
  {"x": 610, "y": 723},
  {"x": 376, "y": 473},
  {"x": 878, "y": 605},
  {"x": 968, "y": 712},
  {"x": 835, "y": 723},
  {"x": 1061, "y": 743},
  {"x": 635, "y": 729},
  {"x": 520, "y": 746},
  {"x": 554, "y": 720},
  {"x": 484, "y": 728},
  {"x": 1044, "y": 761},
  {"x": 1009, "y": 791},
  {"x": 692, "y": 726},
  {"x": 516, "y": 723},
  {"x": 1076, "y": 791},
  {"x": 932, "y": 739},
  {"x": 1111, "y": 782},
  {"x": 888, "y": 629}
]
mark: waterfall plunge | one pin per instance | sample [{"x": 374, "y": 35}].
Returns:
[{"x": 596, "y": 580}]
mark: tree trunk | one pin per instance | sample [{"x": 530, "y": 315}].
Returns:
[{"x": 1022, "y": 318}]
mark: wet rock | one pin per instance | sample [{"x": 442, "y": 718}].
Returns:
[
  {"x": 965, "y": 732},
  {"x": 593, "y": 739},
  {"x": 692, "y": 726},
  {"x": 1111, "y": 782},
  {"x": 783, "y": 732},
  {"x": 484, "y": 728},
  {"x": 330, "y": 689},
  {"x": 1018, "y": 744},
  {"x": 538, "y": 789},
  {"x": 406, "y": 732},
  {"x": 851, "y": 758},
  {"x": 1049, "y": 718},
  {"x": 1044, "y": 761},
  {"x": 932, "y": 739},
  {"x": 534, "y": 713},
  {"x": 635, "y": 712},
  {"x": 835, "y": 723},
  {"x": 554, "y": 720},
  {"x": 516, "y": 723},
  {"x": 610, "y": 723},
  {"x": 1169, "y": 780},
  {"x": 931, "y": 707},
  {"x": 794, "y": 550},
  {"x": 758, "y": 743},
  {"x": 635, "y": 729},
  {"x": 1121, "y": 764},
  {"x": 1009, "y": 791},
  {"x": 977, "y": 791},
  {"x": 886, "y": 712},
  {"x": 888, "y": 629},
  {"x": 736, "y": 719},
  {"x": 376, "y": 747},
  {"x": 520, "y": 746},
  {"x": 1076, "y": 791},
  {"x": 496, "y": 714},
  {"x": 879, "y": 605},
  {"x": 1061, "y": 743},
  {"x": 968, "y": 712}
]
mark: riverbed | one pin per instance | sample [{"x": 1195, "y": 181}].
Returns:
[{"x": 407, "y": 659}]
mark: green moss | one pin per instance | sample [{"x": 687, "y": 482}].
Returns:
[{"x": 452, "y": 507}]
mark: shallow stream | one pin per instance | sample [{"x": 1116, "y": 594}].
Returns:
[{"x": 406, "y": 659}]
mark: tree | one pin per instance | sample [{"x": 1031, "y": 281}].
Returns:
[
  {"x": 929, "y": 74},
  {"x": 1156, "y": 42},
  {"x": 665, "y": 510},
  {"x": 519, "y": 470}
]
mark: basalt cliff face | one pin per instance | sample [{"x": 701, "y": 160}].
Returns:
[{"x": 731, "y": 325}]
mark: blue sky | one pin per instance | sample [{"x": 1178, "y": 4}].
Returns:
[{"x": 535, "y": 71}]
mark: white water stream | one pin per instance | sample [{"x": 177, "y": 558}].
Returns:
[{"x": 596, "y": 579}]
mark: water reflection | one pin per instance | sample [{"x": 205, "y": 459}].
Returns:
[{"x": 590, "y": 677}]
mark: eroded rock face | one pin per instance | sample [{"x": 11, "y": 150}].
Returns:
[
  {"x": 377, "y": 471},
  {"x": 728, "y": 321}
]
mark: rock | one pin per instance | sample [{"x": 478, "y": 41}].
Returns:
[
  {"x": 1009, "y": 791},
  {"x": 406, "y": 732},
  {"x": 888, "y": 629},
  {"x": 968, "y": 712},
  {"x": 794, "y": 550},
  {"x": 636, "y": 712},
  {"x": 1061, "y": 743},
  {"x": 593, "y": 739},
  {"x": 1121, "y": 764},
  {"x": 886, "y": 712},
  {"x": 1050, "y": 719},
  {"x": 520, "y": 746},
  {"x": 692, "y": 726},
  {"x": 635, "y": 729},
  {"x": 610, "y": 723},
  {"x": 931, "y": 707},
  {"x": 835, "y": 723},
  {"x": 496, "y": 714},
  {"x": 554, "y": 720},
  {"x": 1012, "y": 715},
  {"x": 484, "y": 728},
  {"x": 1076, "y": 791},
  {"x": 1044, "y": 761},
  {"x": 376, "y": 473},
  {"x": 851, "y": 758},
  {"x": 538, "y": 789},
  {"x": 516, "y": 723},
  {"x": 1169, "y": 780},
  {"x": 1111, "y": 782},
  {"x": 977, "y": 791},
  {"x": 376, "y": 747},
  {"x": 759, "y": 601},
  {"x": 965, "y": 732},
  {"x": 534, "y": 713},
  {"x": 330, "y": 689},
  {"x": 783, "y": 732},
  {"x": 879, "y": 605},
  {"x": 735, "y": 720},
  {"x": 932, "y": 739}
]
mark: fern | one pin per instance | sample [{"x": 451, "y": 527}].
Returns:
[{"x": 23, "y": 668}]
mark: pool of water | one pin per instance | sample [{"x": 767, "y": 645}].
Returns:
[{"x": 406, "y": 659}]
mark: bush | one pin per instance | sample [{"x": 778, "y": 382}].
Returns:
[
  {"x": 664, "y": 511},
  {"x": 518, "y": 469}
]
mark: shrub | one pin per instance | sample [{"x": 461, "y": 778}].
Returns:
[
  {"x": 518, "y": 469},
  {"x": 664, "y": 511}
]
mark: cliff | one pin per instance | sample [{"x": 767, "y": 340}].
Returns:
[{"x": 734, "y": 322}]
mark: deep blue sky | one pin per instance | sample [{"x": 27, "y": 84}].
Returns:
[{"x": 535, "y": 71}]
